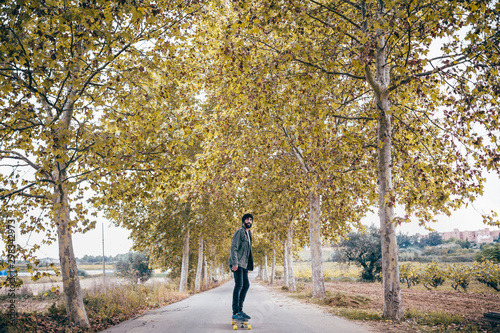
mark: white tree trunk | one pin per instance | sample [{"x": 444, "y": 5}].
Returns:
[
  {"x": 289, "y": 246},
  {"x": 211, "y": 271},
  {"x": 185, "y": 264},
  {"x": 197, "y": 281},
  {"x": 285, "y": 264},
  {"x": 393, "y": 308},
  {"x": 75, "y": 308},
  {"x": 315, "y": 243},
  {"x": 205, "y": 274},
  {"x": 273, "y": 267},
  {"x": 266, "y": 271}
]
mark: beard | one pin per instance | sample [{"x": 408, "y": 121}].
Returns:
[{"x": 248, "y": 225}]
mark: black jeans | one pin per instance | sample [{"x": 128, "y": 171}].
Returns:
[{"x": 241, "y": 285}]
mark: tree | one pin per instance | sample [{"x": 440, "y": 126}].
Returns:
[
  {"x": 403, "y": 240},
  {"x": 489, "y": 252},
  {"x": 434, "y": 239},
  {"x": 135, "y": 267},
  {"x": 464, "y": 244},
  {"x": 364, "y": 249},
  {"x": 380, "y": 49},
  {"x": 61, "y": 65}
]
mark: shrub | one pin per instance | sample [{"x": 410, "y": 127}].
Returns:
[
  {"x": 82, "y": 273},
  {"x": 460, "y": 275},
  {"x": 488, "y": 273},
  {"x": 409, "y": 274},
  {"x": 433, "y": 276},
  {"x": 135, "y": 267},
  {"x": 489, "y": 252},
  {"x": 365, "y": 250}
]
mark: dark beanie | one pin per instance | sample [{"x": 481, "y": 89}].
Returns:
[{"x": 245, "y": 217}]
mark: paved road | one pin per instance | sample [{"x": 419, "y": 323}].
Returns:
[{"x": 210, "y": 311}]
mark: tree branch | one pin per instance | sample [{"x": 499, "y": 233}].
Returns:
[
  {"x": 18, "y": 156},
  {"x": 20, "y": 192},
  {"x": 339, "y": 14}
]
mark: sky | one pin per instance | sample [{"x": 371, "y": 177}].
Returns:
[{"x": 116, "y": 239}]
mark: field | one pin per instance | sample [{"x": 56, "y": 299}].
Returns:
[
  {"x": 438, "y": 310},
  {"x": 442, "y": 309}
]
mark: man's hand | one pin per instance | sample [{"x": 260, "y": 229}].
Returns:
[{"x": 234, "y": 268}]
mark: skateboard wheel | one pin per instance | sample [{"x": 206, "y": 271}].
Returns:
[
  {"x": 232, "y": 322},
  {"x": 249, "y": 327},
  {"x": 235, "y": 327}
]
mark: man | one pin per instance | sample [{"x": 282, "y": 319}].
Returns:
[{"x": 240, "y": 262}]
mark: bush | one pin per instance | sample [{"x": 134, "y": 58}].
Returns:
[
  {"x": 409, "y": 274},
  {"x": 488, "y": 273},
  {"x": 460, "y": 275},
  {"x": 135, "y": 267},
  {"x": 489, "y": 252},
  {"x": 365, "y": 250},
  {"x": 433, "y": 276},
  {"x": 82, "y": 273}
]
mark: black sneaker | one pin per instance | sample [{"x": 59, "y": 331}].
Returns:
[{"x": 244, "y": 315}]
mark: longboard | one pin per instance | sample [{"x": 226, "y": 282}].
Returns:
[{"x": 241, "y": 324}]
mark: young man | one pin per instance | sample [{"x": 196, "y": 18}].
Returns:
[{"x": 240, "y": 262}]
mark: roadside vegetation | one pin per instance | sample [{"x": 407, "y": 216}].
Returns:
[
  {"x": 437, "y": 295},
  {"x": 106, "y": 306},
  {"x": 133, "y": 288}
]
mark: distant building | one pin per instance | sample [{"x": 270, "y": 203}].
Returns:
[{"x": 478, "y": 236}]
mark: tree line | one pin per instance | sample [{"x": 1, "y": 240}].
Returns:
[{"x": 179, "y": 117}]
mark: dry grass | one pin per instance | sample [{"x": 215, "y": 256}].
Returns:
[{"x": 106, "y": 304}]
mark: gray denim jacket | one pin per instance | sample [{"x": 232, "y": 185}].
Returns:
[{"x": 240, "y": 249}]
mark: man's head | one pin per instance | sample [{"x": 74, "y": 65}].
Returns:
[{"x": 247, "y": 220}]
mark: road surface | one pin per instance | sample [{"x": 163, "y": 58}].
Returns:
[{"x": 210, "y": 311}]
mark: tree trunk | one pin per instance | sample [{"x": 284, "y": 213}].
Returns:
[
  {"x": 289, "y": 246},
  {"x": 315, "y": 244},
  {"x": 75, "y": 308},
  {"x": 211, "y": 271},
  {"x": 205, "y": 274},
  {"x": 273, "y": 267},
  {"x": 185, "y": 263},
  {"x": 266, "y": 271},
  {"x": 285, "y": 264},
  {"x": 393, "y": 308},
  {"x": 197, "y": 281}
]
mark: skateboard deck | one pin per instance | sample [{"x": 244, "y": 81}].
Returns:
[{"x": 241, "y": 324}]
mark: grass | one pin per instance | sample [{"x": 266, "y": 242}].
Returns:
[
  {"x": 94, "y": 266},
  {"x": 433, "y": 317},
  {"x": 332, "y": 271},
  {"x": 358, "y": 314}
]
